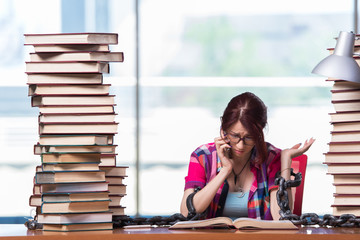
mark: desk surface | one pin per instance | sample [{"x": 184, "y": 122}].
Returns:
[{"x": 19, "y": 231}]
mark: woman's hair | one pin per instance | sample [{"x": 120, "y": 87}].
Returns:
[{"x": 251, "y": 111}]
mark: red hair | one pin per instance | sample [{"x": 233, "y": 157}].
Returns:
[{"x": 251, "y": 111}]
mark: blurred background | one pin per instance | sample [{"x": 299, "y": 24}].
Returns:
[{"x": 190, "y": 59}]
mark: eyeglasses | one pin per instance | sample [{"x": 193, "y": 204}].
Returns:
[{"x": 235, "y": 138}]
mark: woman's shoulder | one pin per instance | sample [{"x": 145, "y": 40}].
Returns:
[
  {"x": 205, "y": 149},
  {"x": 274, "y": 153},
  {"x": 272, "y": 148}
]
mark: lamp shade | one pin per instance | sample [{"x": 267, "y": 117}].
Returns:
[{"x": 341, "y": 63}]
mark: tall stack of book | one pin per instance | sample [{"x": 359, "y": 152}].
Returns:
[
  {"x": 343, "y": 157},
  {"x": 78, "y": 186}
]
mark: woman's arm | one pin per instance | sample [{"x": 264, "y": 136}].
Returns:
[
  {"x": 203, "y": 198},
  {"x": 286, "y": 158}
]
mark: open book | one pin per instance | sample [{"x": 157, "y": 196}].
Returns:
[{"x": 240, "y": 223}]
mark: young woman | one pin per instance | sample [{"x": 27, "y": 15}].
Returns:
[{"x": 236, "y": 173}]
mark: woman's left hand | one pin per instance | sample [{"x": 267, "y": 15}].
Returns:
[{"x": 296, "y": 150}]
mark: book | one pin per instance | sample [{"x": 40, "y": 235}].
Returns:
[
  {"x": 114, "y": 171},
  {"x": 64, "y": 78},
  {"x": 68, "y": 89},
  {"x": 81, "y": 118},
  {"x": 35, "y": 200},
  {"x": 68, "y": 176},
  {"x": 346, "y": 126},
  {"x": 84, "y": 139},
  {"x": 71, "y": 38},
  {"x": 345, "y": 95},
  {"x": 78, "y": 128},
  {"x": 75, "y": 227},
  {"x": 346, "y": 199},
  {"x": 74, "y": 218},
  {"x": 340, "y": 210},
  {"x": 108, "y": 160},
  {"x": 346, "y": 178},
  {"x": 344, "y": 117},
  {"x": 117, "y": 189},
  {"x": 346, "y": 106},
  {"x": 240, "y": 223},
  {"x": 84, "y": 166},
  {"x": 74, "y": 187},
  {"x": 114, "y": 180},
  {"x": 77, "y": 56},
  {"x": 39, "y": 149},
  {"x": 67, "y": 67},
  {"x": 342, "y": 157},
  {"x": 344, "y": 85},
  {"x": 115, "y": 199},
  {"x": 75, "y": 196},
  {"x": 117, "y": 210},
  {"x": 71, "y": 48},
  {"x": 75, "y": 206},
  {"x": 344, "y": 146},
  {"x": 70, "y": 158},
  {"x": 342, "y": 168},
  {"x": 76, "y": 109},
  {"x": 345, "y": 136},
  {"x": 343, "y": 188},
  {"x": 37, "y": 101}
]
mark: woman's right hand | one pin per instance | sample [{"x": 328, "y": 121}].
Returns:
[{"x": 223, "y": 150}]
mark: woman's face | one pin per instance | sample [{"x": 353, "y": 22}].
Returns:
[{"x": 240, "y": 140}]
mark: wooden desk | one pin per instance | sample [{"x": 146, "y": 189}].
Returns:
[{"x": 18, "y": 231}]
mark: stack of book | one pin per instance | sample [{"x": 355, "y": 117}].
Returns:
[
  {"x": 343, "y": 157},
  {"x": 78, "y": 186}
]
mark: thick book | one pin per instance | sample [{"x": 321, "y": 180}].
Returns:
[
  {"x": 346, "y": 126},
  {"x": 74, "y": 218},
  {"x": 115, "y": 199},
  {"x": 71, "y": 38},
  {"x": 117, "y": 188},
  {"x": 76, "y": 109},
  {"x": 344, "y": 117},
  {"x": 342, "y": 157},
  {"x": 73, "y": 197},
  {"x": 115, "y": 180},
  {"x": 340, "y": 85},
  {"x": 70, "y": 100},
  {"x": 68, "y": 89},
  {"x": 79, "y": 227},
  {"x": 78, "y": 128},
  {"x": 345, "y": 136},
  {"x": 117, "y": 210},
  {"x": 39, "y": 149},
  {"x": 240, "y": 223},
  {"x": 84, "y": 166},
  {"x": 342, "y": 168},
  {"x": 344, "y": 146},
  {"x": 346, "y": 178},
  {"x": 74, "y": 187},
  {"x": 72, "y": 118},
  {"x": 340, "y": 210},
  {"x": 65, "y": 78},
  {"x": 346, "y": 199},
  {"x": 115, "y": 171},
  {"x": 346, "y": 106},
  {"x": 51, "y": 48},
  {"x": 70, "y": 158},
  {"x": 69, "y": 177},
  {"x": 343, "y": 188},
  {"x": 67, "y": 67},
  {"x": 78, "y": 56},
  {"x": 35, "y": 200},
  {"x": 76, "y": 139},
  {"x": 108, "y": 160},
  {"x": 345, "y": 95},
  {"x": 76, "y": 206}
]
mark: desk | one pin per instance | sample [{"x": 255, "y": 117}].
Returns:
[{"x": 19, "y": 231}]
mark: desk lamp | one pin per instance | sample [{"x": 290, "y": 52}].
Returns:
[{"x": 341, "y": 63}]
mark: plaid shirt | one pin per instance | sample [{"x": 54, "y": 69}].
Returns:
[{"x": 205, "y": 164}]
